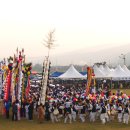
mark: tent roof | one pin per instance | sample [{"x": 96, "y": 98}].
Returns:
[
  {"x": 98, "y": 73},
  {"x": 101, "y": 67},
  {"x": 126, "y": 69},
  {"x": 105, "y": 69},
  {"x": 118, "y": 73},
  {"x": 71, "y": 73}
]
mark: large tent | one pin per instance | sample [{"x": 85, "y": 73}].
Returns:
[
  {"x": 71, "y": 73},
  {"x": 106, "y": 70},
  {"x": 98, "y": 72},
  {"x": 126, "y": 70},
  {"x": 118, "y": 74}
]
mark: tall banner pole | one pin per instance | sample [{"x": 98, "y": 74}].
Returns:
[
  {"x": 13, "y": 79},
  {"x": 45, "y": 80},
  {"x": 1, "y": 79},
  {"x": 20, "y": 77},
  {"x": 7, "y": 87},
  {"x": 89, "y": 80}
]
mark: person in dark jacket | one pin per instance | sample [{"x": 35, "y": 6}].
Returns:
[
  {"x": 30, "y": 110},
  {"x": 14, "y": 111},
  {"x": 23, "y": 112},
  {"x": 47, "y": 113},
  {"x": 7, "y": 108}
]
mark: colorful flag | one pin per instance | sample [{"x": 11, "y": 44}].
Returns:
[{"x": 89, "y": 79}]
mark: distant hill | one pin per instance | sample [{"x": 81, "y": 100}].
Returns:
[
  {"x": 90, "y": 56},
  {"x": 39, "y": 68}
]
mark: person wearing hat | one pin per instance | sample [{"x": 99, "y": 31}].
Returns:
[
  {"x": 74, "y": 111},
  {"x": 89, "y": 108},
  {"x": 51, "y": 110},
  {"x": 61, "y": 111},
  {"x": 120, "y": 112},
  {"x": 107, "y": 115},
  {"x": 82, "y": 112},
  {"x": 126, "y": 112},
  {"x": 68, "y": 114},
  {"x": 113, "y": 110},
  {"x": 97, "y": 109},
  {"x": 55, "y": 113},
  {"x": 103, "y": 113},
  {"x": 93, "y": 113}
]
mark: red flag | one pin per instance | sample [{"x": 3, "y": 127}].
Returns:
[{"x": 7, "y": 86}]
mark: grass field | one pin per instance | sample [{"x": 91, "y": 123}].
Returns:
[
  {"x": 127, "y": 91},
  {"x": 34, "y": 125}
]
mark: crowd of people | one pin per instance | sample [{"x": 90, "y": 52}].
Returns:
[{"x": 71, "y": 104}]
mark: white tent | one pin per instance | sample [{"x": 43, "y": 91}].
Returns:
[
  {"x": 112, "y": 69},
  {"x": 118, "y": 73},
  {"x": 71, "y": 73},
  {"x": 98, "y": 73},
  {"x": 126, "y": 70},
  {"x": 101, "y": 67},
  {"x": 105, "y": 69}
]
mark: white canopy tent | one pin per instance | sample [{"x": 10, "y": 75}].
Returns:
[
  {"x": 118, "y": 74},
  {"x": 98, "y": 73},
  {"x": 112, "y": 69},
  {"x": 101, "y": 67},
  {"x": 105, "y": 69},
  {"x": 126, "y": 70},
  {"x": 71, "y": 73}
]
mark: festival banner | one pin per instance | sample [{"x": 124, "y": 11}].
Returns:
[
  {"x": 28, "y": 88},
  {"x": 7, "y": 86},
  {"x": 16, "y": 77},
  {"x": 89, "y": 79},
  {"x": 44, "y": 80}
]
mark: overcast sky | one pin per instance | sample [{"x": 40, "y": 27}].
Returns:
[{"x": 79, "y": 24}]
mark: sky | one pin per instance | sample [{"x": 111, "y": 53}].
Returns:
[{"x": 88, "y": 25}]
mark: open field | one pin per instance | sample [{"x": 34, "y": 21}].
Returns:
[
  {"x": 127, "y": 91},
  {"x": 33, "y": 125}
]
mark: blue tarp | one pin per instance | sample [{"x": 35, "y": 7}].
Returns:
[
  {"x": 56, "y": 74},
  {"x": 83, "y": 73}
]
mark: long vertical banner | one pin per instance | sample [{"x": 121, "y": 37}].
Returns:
[
  {"x": 89, "y": 79},
  {"x": 7, "y": 86},
  {"x": 13, "y": 83},
  {"x": 1, "y": 79},
  {"x": 45, "y": 80},
  {"x": 0, "y": 84},
  {"x": 20, "y": 76}
]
